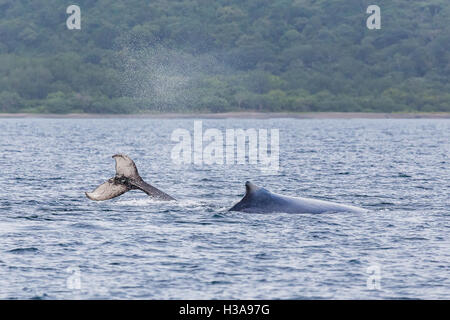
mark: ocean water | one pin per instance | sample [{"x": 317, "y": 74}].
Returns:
[{"x": 57, "y": 244}]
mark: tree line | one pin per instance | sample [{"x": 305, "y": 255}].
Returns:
[{"x": 224, "y": 55}]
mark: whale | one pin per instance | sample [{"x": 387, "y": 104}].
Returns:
[
  {"x": 261, "y": 200},
  {"x": 127, "y": 178}
]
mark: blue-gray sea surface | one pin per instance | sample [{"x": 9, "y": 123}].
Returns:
[{"x": 57, "y": 244}]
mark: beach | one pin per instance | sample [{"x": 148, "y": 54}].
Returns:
[{"x": 247, "y": 115}]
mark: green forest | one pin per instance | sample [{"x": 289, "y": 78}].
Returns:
[{"x": 224, "y": 55}]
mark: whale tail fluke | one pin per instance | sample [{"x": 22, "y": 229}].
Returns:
[
  {"x": 125, "y": 167},
  {"x": 127, "y": 178},
  {"x": 108, "y": 190},
  {"x": 151, "y": 190}
]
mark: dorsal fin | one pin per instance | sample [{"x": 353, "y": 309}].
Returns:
[
  {"x": 125, "y": 167},
  {"x": 250, "y": 187},
  {"x": 248, "y": 199}
]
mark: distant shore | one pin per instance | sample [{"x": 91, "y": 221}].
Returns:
[{"x": 248, "y": 115}]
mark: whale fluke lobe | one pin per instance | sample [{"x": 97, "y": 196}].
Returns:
[
  {"x": 108, "y": 190},
  {"x": 127, "y": 178},
  {"x": 125, "y": 167}
]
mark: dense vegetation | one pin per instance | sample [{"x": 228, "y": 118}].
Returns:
[{"x": 224, "y": 55}]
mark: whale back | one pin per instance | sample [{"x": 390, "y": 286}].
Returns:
[
  {"x": 257, "y": 200},
  {"x": 260, "y": 200}
]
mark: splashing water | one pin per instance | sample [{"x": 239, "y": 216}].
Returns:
[{"x": 163, "y": 79}]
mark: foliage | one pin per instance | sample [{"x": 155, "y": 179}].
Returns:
[{"x": 224, "y": 55}]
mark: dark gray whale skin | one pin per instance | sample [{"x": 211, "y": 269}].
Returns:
[{"x": 260, "y": 200}]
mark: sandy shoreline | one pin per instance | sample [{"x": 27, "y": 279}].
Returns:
[{"x": 249, "y": 115}]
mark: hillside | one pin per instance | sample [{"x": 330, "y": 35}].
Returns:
[{"x": 224, "y": 55}]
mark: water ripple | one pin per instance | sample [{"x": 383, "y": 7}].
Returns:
[{"x": 136, "y": 248}]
